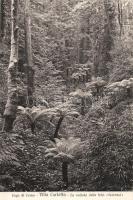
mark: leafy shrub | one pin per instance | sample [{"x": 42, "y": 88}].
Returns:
[
  {"x": 109, "y": 159},
  {"x": 10, "y": 147}
]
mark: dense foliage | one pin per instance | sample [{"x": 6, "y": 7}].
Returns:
[{"x": 77, "y": 135}]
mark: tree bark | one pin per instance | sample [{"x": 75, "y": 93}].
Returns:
[
  {"x": 33, "y": 128},
  {"x": 104, "y": 47},
  {"x": 1, "y": 26},
  {"x": 28, "y": 54},
  {"x": 65, "y": 174},
  {"x": 109, "y": 30},
  {"x": 58, "y": 126},
  {"x": 12, "y": 101},
  {"x": 1, "y": 18},
  {"x": 120, "y": 16}
]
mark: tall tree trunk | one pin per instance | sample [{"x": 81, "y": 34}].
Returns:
[
  {"x": 120, "y": 16},
  {"x": 12, "y": 101},
  {"x": 28, "y": 54},
  {"x": 109, "y": 34},
  {"x": 1, "y": 18},
  {"x": 106, "y": 43},
  {"x": 1, "y": 26}
]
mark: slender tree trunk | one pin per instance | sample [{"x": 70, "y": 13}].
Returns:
[
  {"x": 96, "y": 59},
  {"x": 12, "y": 101},
  {"x": 120, "y": 16},
  {"x": 109, "y": 34},
  {"x": 28, "y": 54},
  {"x": 106, "y": 43},
  {"x": 58, "y": 126},
  {"x": 64, "y": 164},
  {"x": 33, "y": 128},
  {"x": 65, "y": 174},
  {"x": 1, "y": 18},
  {"x": 1, "y": 26},
  {"x": 57, "y": 129}
]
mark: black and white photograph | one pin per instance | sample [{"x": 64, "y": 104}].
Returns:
[{"x": 66, "y": 96}]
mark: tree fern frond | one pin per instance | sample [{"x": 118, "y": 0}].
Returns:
[
  {"x": 49, "y": 155},
  {"x": 51, "y": 150},
  {"x": 64, "y": 157},
  {"x": 45, "y": 112},
  {"x": 21, "y": 110},
  {"x": 27, "y": 112},
  {"x": 66, "y": 149}
]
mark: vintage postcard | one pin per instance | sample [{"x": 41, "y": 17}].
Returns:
[{"x": 66, "y": 99}]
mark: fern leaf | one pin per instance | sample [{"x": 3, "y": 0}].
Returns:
[
  {"x": 52, "y": 150},
  {"x": 49, "y": 155}
]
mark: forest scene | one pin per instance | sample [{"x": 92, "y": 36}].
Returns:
[{"x": 66, "y": 95}]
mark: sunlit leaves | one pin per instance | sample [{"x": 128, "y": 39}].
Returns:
[{"x": 65, "y": 150}]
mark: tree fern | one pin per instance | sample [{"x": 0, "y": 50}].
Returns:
[
  {"x": 35, "y": 113},
  {"x": 65, "y": 151}
]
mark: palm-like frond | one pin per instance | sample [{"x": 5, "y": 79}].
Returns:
[
  {"x": 33, "y": 113},
  {"x": 45, "y": 112},
  {"x": 64, "y": 157},
  {"x": 36, "y": 113},
  {"x": 80, "y": 93},
  {"x": 65, "y": 150},
  {"x": 53, "y": 150},
  {"x": 27, "y": 112},
  {"x": 121, "y": 84}
]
